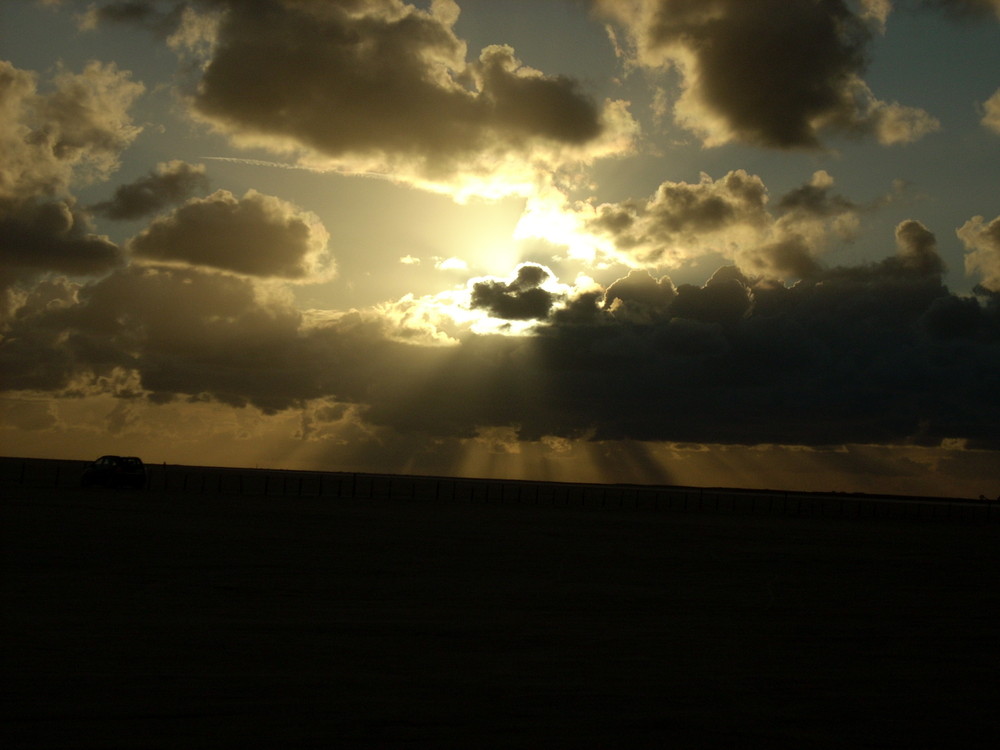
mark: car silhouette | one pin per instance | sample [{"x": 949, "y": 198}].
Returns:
[{"x": 115, "y": 471}]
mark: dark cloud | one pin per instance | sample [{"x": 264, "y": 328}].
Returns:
[
  {"x": 154, "y": 16},
  {"x": 917, "y": 249},
  {"x": 381, "y": 81},
  {"x": 816, "y": 198},
  {"x": 771, "y": 72},
  {"x": 520, "y": 299},
  {"x": 874, "y": 354},
  {"x": 38, "y": 237},
  {"x": 258, "y": 235},
  {"x": 169, "y": 184},
  {"x": 725, "y": 299},
  {"x": 639, "y": 297},
  {"x": 790, "y": 257}
]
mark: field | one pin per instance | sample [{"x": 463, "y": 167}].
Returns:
[{"x": 202, "y": 616}]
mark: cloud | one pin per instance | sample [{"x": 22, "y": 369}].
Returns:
[
  {"x": 137, "y": 12},
  {"x": 74, "y": 132},
  {"x": 386, "y": 87},
  {"x": 38, "y": 237},
  {"x": 768, "y": 73},
  {"x": 182, "y": 330},
  {"x": 982, "y": 249},
  {"x": 639, "y": 297},
  {"x": 257, "y": 234},
  {"x": 70, "y": 133},
  {"x": 523, "y": 298},
  {"x": 681, "y": 219},
  {"x": 732, "y": 217},
  {"x": 169, "y": 184},
  {"x": 991, "y": 113},
  {"x": 875, "y": 354},
  {"x": 917, "y": 249}
]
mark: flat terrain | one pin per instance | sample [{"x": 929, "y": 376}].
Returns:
[{"x": 158, "y": 619}]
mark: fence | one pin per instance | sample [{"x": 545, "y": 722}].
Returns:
[{"x": 45, "y": 474}]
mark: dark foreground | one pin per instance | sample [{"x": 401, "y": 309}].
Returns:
[{"x": 148, "y": 619}]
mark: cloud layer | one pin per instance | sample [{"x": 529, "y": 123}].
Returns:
[{"x": 880, "y": 353}]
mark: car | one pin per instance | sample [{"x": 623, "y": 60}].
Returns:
[{"x": 115, "y": 471}]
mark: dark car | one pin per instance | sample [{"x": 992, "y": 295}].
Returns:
[{"x": 115, "y": 471}]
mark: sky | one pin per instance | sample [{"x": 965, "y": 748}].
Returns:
[{"x": 744, "y": 243}]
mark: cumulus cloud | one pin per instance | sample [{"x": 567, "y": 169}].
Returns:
[
  {"x": 769, "y": 73},
  {"x": 387, "y": 87},
  {"x": 523, "y": 298},
  {"x": 37, "y": 237},
  {"x": 639, "y": 297},
  {"x": 682, "y": 218},
  {"x": 733, "y": 217},
  {"x": 917, "y": 249},
  {"x": 879, "y": 353},
  {"x": 73, "y": 132},
  {"x": 70, "y": 131},
  {"x": 982, "y": 250},
  {"x": 991, "y": 113},
  {"x": 174, "y": 326},
  {"x": 257, "y": 234},
  {"x": 169, "y": 184}
]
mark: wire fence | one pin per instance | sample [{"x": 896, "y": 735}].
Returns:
[{"x": 44, "y": 474}]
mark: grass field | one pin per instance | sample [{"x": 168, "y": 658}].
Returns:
[{"x": 180, "y": 619}]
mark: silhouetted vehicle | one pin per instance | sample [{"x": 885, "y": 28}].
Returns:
[{"x": 115, "y": 471}]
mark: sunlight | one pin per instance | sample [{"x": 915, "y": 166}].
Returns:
[{"x": 549, "y": 218}]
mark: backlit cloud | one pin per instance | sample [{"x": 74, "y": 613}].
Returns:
[
  {"x": 387, "y": 87},
  {"x": 732, "y": 217},
  {"x": 169, "y": 184},
  {"x": 43, "y": 236},
  {"x": 982, "y": 248},
  {"x": 72, "y": 133},
  {"x": 862, "y": 354},
  {"x": 991, "y": 113},
  {"x": 771, "y": 72},
  {"x": 257, "y": 234},
  {"x": 522, "y": 298}
]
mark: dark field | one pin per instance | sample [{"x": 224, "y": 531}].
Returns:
[{"x": 178, "y": 619}]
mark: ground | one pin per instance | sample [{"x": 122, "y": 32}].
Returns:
[{"x": 167, "y": 619}]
